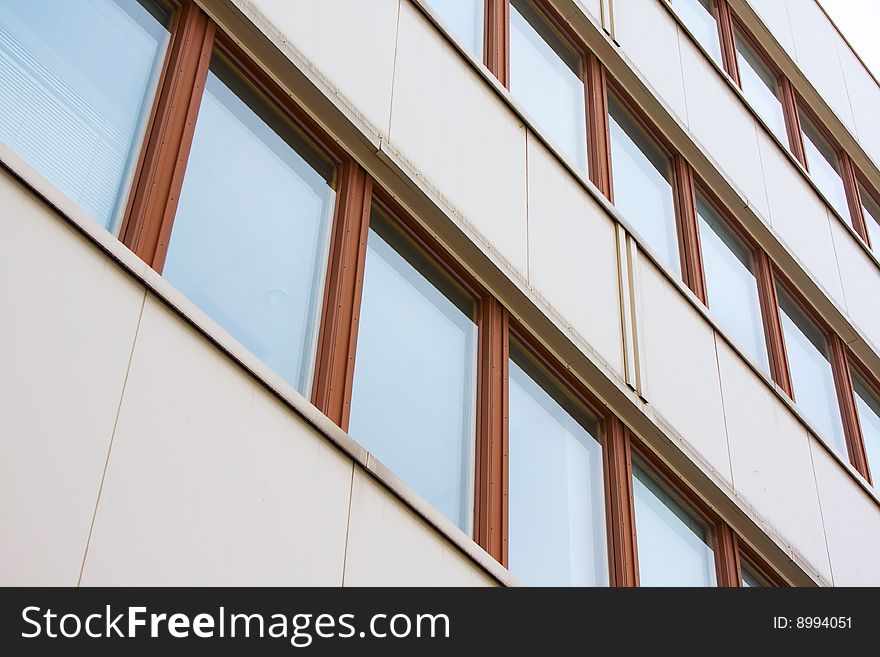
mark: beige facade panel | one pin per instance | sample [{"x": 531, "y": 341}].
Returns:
[
  {"x": 852, "y": 523},
  {"x": 680, "y": 366},
  {"x": 815, "y": 42},
  {"x": 211, "y": 481},
  {"x": 572, "y": 254},
  {"x": 864, "y": 97},
  {"x": 723, "y": 125},
  {"x": 774, "y": 13},
  {"x": 800, "y": 218},
  {"x": 69, "y": 323},
  {"x": 861, "y": 282},
  {"x": 461, "y": 136},
  {"x": 356, "y": 56},
  {"x": 770, "y": 459},
  {"x": 388, "y": 545},
  {"x": 648, "y": 36}
]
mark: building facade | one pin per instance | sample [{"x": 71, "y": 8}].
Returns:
[{"x": 423, "y": 292}]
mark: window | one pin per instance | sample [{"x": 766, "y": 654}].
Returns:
[
  {"x": 641, "y": 178},
  {"x": 731, "y": 287},
  {"x": 811, "y": 375},
  {"x": 824, "y": 166},
  {"x": 466, "y": 19},
  {"x": 699, "y": 17},
  {"x": 77, "y": 81},
  {"x": 414, "y": 392},
  {"x": 546, "y": 76},
  {"x": 760, "y": 86},
  {"x": 750, "y": 577},
  {"x": 868, "y": 407},
  {"x": 556, "y": 500},
  {"x": 674, "y": 547},
  {"x": 871, "y": 213},
  {"x": 249, "y": 240}
]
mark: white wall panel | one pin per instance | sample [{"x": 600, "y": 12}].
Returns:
[
  {"x": 815, "y": 41},
  {"x": 460, "y": 135},
  {"x": 681, "y": 368},
  {"x": 573, "y": 254},
  {"x": 723, "y": 126},
  {"x": 350, "y": 42},
  {"x": 211, "y": 480},
  {"x": 774, "y": 13},
  {"x": 800, "y": 217},
  {"x": 861, "y": 282},
  {"x": 770, "y": 459},
  {"x": 852, "y": 523},
  {"x": 68, "y": 327},
  {"x": 389, "y": 545},
  {"x": 864, "y": 98},
  {"x": 648, "y": 35}
]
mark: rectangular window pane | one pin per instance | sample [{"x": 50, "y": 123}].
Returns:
[
  {"x": 642, "y": 189},
  {"x": 760, "y": 86},
  {"x": 824, "y": 167},
  {"x": 556, "y": 500},
  {"x": 871, "y": 211},
  {"x": 751, "y": 580},
  {"x": 731, "y": 284},
  {"x": 811, "y": 374},
  {"x": 249, "y": 242},
  {"x": 77, "y": 80},
  {"x": 546, "y": 77},
  {"x": 465, "y": 19},
  {"x": 868, "y": 404},
  {"x": 699, "y": 17},
  {"x": 674, "y": 547},
  {"x": 414, "y": 396}
]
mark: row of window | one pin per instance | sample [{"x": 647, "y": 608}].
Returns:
[
  {"x": 770, "y": 93},
  {"x": 556, "y": 79},
  {"x": 168, "y": 135}
]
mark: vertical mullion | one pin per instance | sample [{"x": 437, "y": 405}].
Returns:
[
  {"x": 853, "y": 196},
  {"x": 337, "y": 339},
  {"x": 728, "y": 41},
  {"x": 598, "y": 135},
  {"x": 847, "y": 401},
  {"x": 497, "y": 39},
  {"x": 727, "y": 557},
  {"x": 688, "y": 228},
  {"x": 620, "y": 509},
  {"x": 792, "y": 121},
  {"x": 157, "y": 188},
  {"x": 490, "y": 525},
  {"x": 772, "y": 323}
]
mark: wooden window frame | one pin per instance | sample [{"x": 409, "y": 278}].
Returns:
[
  {"x": 854, "y": 196},
  {"x": 873, "y": 384}
]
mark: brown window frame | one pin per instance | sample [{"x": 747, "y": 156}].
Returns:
[{"x": 149, "y": 218}]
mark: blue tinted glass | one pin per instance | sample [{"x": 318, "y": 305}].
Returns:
[
  {"x": 642, "y": 192},
  {"x": 674, "y": 547},
  {"x": 76, "y": 85},
  {"x": 731, "y": 285},
  {"x": 466, "y": 19},
  {"x": 556, "y": 499},
  {"x": 415, "y": 373},
  {"x": 545, "y": 76},
  {"x": 811, "y": 374},
  {"x": 250, "y": 236}
]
